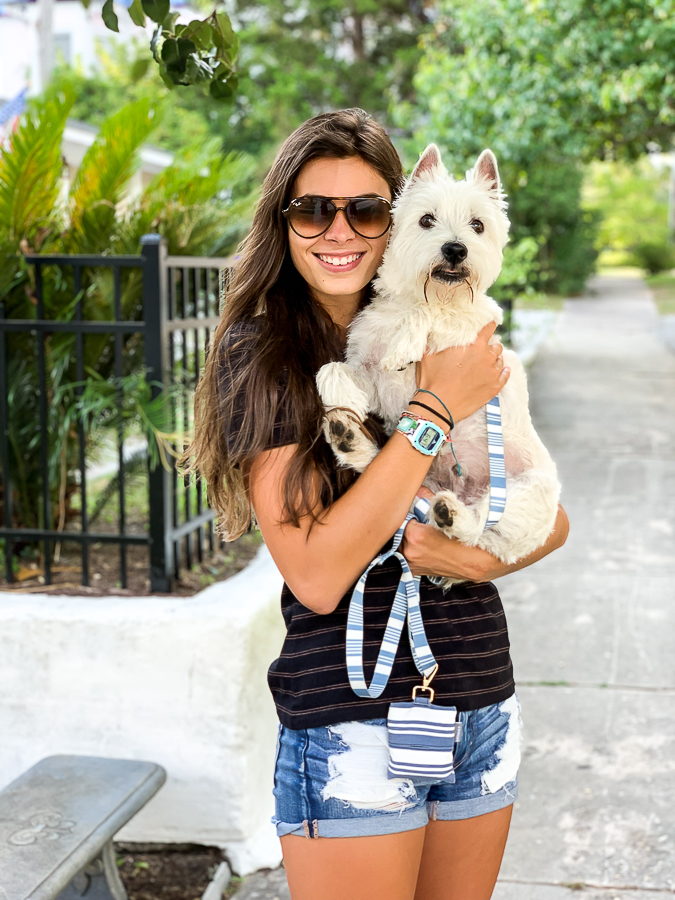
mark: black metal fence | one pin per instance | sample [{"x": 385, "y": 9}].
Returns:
[{"x": 179, "y": 310}]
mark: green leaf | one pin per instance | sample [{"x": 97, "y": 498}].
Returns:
[
  {"x": 197, "y": 69},
  {"x": 138, "y": 69},
  {"x": 224, "y": 90},
  {"x": 109, "y": 16},
  {"x": 169, "y": 23},
  {"x": 175, "y": 53},
  {"x": 157, "y": 10},
  {"x": 170, "y": 54},
  {"x": 136, "y": 13},
  {"x": 225, "y": 28},
  {"x": 156, "y": 35},
  {"x": 201, "y": 33},
  {"x": 166, "y": 77}
]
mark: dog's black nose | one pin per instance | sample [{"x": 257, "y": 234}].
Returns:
[{"x": 454, "y": 251}]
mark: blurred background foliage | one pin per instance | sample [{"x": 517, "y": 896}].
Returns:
[
  {"x": 193, "y": 203},
  {"x": 576, "y": 98},
  {"x": 570, "y": 94}
]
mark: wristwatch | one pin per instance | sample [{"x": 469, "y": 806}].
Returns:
[{"x": 425, "y": 436}]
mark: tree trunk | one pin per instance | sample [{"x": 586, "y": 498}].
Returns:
[
  {"x": 45, "y": 30},
  {"x": 357, "y": 37}
]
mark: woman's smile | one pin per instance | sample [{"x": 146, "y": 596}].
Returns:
[{"x": 340, "y": 262}]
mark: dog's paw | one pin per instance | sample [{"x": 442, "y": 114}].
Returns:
[
  {"x": 352, "y": 448},
  {"x": 452, "y": 517},
  {"x": 337, "y": 387}
]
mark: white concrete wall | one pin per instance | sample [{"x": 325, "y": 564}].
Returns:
[{"x": 177, "y": 680}]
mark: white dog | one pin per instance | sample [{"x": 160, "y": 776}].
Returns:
[{"x": 444, "y": 253}]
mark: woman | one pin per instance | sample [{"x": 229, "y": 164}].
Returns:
[{"x": 303, "y": 273}]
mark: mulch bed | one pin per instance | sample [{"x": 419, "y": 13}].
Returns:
[
  {"x": 104, "y": 560},
  {"x": 178, "y": 872}
]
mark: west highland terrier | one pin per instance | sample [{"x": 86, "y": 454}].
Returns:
[{"x": 445, "y": 251}]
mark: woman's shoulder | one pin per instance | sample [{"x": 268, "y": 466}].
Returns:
[{"x": 241, "y": 331}]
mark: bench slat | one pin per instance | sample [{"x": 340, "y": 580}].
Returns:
[{"x": 58, "y": 815}]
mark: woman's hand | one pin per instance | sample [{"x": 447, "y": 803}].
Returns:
[
  {"x": 430, "y": 552},
  {"x": 465, "y": 378}
]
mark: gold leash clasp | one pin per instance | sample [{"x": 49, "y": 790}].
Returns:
[{"x": 426, "y": 681}]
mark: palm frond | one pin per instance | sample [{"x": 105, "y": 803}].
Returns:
[
  {"x": 104, "y": 174},
  {"x": 190, "y": 203},
  {"x": 30, "y": 170}
]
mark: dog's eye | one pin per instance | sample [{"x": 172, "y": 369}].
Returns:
[
  {"x": 477, "y": 226},
  {"x": 427, "y": 221}
]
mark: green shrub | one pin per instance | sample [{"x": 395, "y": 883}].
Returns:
[
  {"x": 654, "y": 256},
  {"x": 520, "y": 270}
]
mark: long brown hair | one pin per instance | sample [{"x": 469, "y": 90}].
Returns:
[{"x": 293, "y": 338}]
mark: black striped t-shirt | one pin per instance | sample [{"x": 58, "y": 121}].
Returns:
[{"x": 465, "y": 626}]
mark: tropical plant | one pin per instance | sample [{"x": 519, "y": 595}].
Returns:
[{"x": 189, "y": 203}]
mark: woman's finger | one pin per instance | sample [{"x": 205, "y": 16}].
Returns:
[
  {"x": 425, "y": 493},
  {"x": 486, "y": 333}
]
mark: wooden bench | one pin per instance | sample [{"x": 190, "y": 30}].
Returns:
[{"x": 57, "y": 822}]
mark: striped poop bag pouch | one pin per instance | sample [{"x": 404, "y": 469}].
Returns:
[{"x": 422, "y": 735}]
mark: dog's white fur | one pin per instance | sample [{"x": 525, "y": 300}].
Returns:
[{"x": 416, "y": 307}]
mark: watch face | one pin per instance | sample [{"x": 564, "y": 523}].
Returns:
[{"x": 428, "y": 439}]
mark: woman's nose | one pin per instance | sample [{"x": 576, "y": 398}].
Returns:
[{"x": 340, "y": 229}]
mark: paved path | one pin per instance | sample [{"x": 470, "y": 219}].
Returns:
[{"x": 593, "y": 626}]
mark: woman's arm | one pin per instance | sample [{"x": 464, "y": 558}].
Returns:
[
  {"x": 430, "y": 552},
  {"x": 320, "y": 563}
]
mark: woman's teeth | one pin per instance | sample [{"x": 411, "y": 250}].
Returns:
[{"x": 339, "y": 260}]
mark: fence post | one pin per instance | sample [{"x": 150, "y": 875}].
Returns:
[{"x": 153, "y": 254}]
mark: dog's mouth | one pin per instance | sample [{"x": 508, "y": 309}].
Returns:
[{"x": 447, "y": 275}]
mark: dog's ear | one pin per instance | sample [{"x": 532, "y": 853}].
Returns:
[
  {"x": 486, "y": 170},
  {"x": 428, "y": 161}
]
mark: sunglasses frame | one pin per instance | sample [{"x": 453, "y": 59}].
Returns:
[{"x": 346, "y": 200}]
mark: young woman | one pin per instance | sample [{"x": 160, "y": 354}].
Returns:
[{"x": 304, "y": 271}]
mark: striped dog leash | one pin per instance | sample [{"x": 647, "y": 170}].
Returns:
[
  {"x": 421, "y": 735},
  {"x": 407, "y": 600},
  {"x": 406, "y": 605}
]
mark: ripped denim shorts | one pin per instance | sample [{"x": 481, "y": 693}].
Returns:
[{"x": 332, "y": 781}]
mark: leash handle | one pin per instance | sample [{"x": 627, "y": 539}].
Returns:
[{"x": 406, "y": 606}]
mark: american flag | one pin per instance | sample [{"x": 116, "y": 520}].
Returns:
[{"x": 13, "y": 107}]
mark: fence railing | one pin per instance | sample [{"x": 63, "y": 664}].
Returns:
[{"x": 179, "y": 310}]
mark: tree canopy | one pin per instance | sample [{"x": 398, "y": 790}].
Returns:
[{"x": 583, "y": 78}]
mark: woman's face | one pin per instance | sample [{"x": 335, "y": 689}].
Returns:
[{"x": 339, "y": 288}]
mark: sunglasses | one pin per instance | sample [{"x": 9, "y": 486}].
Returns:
[{"x": 309, "y": 217}]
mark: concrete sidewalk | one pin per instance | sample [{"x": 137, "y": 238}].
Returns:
[{"x": 593, "y": 626}]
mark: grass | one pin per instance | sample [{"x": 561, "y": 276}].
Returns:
[
  {"x": 663, "y": 288},
  {"x": 540, "y": 301}
]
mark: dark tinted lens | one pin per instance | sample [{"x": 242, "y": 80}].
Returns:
[
  {"x": 369, "y": 216},
  {"x": 311, "y": 216}
]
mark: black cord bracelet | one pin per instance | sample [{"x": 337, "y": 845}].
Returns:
[{"x": 429, "y": 409}]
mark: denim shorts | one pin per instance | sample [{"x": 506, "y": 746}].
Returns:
[{"x": 332, "y": 781}]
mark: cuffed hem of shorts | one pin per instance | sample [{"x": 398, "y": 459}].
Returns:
[
  {"x": 361, "y": 826},
  {"x": 451, "y": 810}
]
